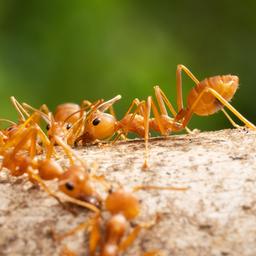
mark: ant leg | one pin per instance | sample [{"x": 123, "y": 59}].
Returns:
[
  {"x": 19, "y": 108},
  {"x": 33, "y": 143},
  {"x": 153, "y": 253},
  {"x": 136, "y": 103},
  {"x": 75, "y": 130},
  {"x": 67, "y": 252},
  {"x": 157, "y": 116},
  {"x": 129, "y": 239},
  {"x": 44, "y": 109},
  {"x": 95, "y": 235},
  {"x": 133, "y": 235},
  {"x": 71, "y": 232},
  {"x": 85, "y": 104},
  {"x": 43, "y": 137},
  {"x": 68, "y": 151},
  {"x": 232, "y": 109},
  {"x": 7, "y": 121},
  {"x": 161, "y": 99},
  {"x": 30, "y": 133},
  {"x": 181, "y": 68},
  {"x": 189, "y": 112},
  {"x": 35, "y": 177},
  {"x": 147, "y": 110},
  {"x": 230, "y": 119}
]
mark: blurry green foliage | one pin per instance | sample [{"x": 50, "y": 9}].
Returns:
[{"x": 56, "y": 51}]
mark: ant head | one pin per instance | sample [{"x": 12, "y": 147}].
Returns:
[
  {"x": 75, "y": 183},
  {"x": 123, "y": 202},
  {"x": 100, "y": 125},
  {"x": 71, "y": 181}
]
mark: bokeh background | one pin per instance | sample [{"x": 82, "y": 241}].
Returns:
[{"x": 56, "y": 51}]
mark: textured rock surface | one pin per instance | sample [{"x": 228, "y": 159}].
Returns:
[{"x": 216, "y": 216}]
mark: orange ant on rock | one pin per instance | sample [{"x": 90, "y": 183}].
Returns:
[
  {"x": 26, "y": 130},
  {"x": 74, "y": 181},
  {"x": 206, "y": 98},
  {"x": 114, "y": 235},
  {"x": 67, "y": 121},
  {"x": 110, "y": 238}
]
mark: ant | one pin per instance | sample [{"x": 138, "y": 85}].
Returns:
[
  {"x": 109, "y": 237},
  {"x": 19, "y": 162},
  {"x": 67, "y": 121},
  {"x": 116, "y": 234},
  {"x": 206, "y": 98},
  {"x": 38, "y": 170},
  {"x": 27, "y": 129}
]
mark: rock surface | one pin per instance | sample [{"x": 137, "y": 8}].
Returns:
[{"x": 215, "y": 216}]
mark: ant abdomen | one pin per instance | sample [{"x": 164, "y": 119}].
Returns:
[
  {"x": 208, "y": 104},
  {"x": 63, "y": 111}
]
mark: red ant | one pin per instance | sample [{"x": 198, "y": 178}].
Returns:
[
  {"x": 16, "y": 159},
  {"x": 26, "y": 130},
  {"x": 109, "y": 237},
  {"x": 82, "y": 193},
  {"x": 206, "y": 98},
  {"x": 67, "y": 121}
]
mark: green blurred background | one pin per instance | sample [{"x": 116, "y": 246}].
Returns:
[{"x": 56, "y": 51}]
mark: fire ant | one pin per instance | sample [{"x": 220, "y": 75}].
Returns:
[
  {"x": 67, "y": 121},
  {"x": 19, "y": 162},
  {"x": 73, "y": 181},
  {"x": 108, "y": 238},
  {"x": 27, "y": 130},
  {"x": 115, "y": 235},
  {"x": 206, "y": 98}
]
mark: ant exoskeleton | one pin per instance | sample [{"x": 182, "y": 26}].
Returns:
[{"x": 206, "y": 98}]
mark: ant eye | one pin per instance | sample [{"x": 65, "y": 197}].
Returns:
[
  {"x": 69, "y": 185},
  {"x": 47, "y": 127},
  {"x": 96, "y": 121},
  {"x": 9, "y": 128},
  {"x": 68, "y": 126}
]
